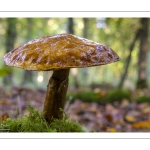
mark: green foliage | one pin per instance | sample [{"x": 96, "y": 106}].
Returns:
[
  {"x": 85, "y": 96},
  {"x": 142, "y": 99},
  {"x": 65, "y": 125},
  {"x": 116, "y": 95},
  {"x": 35, "y": 123},
  {"x": 5, "y": 70},
  {"x": 109, "y": 97}
]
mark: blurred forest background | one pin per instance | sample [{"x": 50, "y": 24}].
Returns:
[
  {"x": 126, "y": 81},
  {"x": 128, "y": 37}
]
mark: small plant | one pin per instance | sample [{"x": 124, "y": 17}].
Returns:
[{"x": 36, "y": 123}]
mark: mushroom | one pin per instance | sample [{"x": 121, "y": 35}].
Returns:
[{"x": 59, "y": 53}]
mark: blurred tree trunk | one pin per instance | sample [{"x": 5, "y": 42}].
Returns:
[
  {"x": 74, "y": 70},
  {"x": 85, "y": 29},
  {"x": 85, "y": 35},
  {"x": 143, "y": 49},
  {"x": 28, "y": 75},
  {"x": 11, "y": 35},
  {"x": 70, "y": 25},
  {"x": 131, "y": 47}
]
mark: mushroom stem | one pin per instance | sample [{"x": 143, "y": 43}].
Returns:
[{"x": 56, "y": 95}]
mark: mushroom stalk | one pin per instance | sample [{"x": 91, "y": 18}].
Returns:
[{"x": 56, "y": 95}]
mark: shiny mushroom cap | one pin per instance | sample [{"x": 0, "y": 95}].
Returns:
[{"x": 62, "y": 51}]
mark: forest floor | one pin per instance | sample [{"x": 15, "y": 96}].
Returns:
[{"x": 122, "y": 116}]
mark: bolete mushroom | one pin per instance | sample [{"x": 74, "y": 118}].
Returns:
[{"x": 59, "y": 53}]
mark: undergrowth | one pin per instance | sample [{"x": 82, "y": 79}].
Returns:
[
  {"x": 34, "y": 122},
  {"x": 116, "y": 95},
  {"x": 109, "y": 97},
  {"x": 142, "y": 99},
  {"x": 85, "y": 96}
]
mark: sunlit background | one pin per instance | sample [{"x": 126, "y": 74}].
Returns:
[{"x": 117, "y": 33}]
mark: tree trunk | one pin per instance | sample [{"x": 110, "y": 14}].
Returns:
[
  {"x": 141, "y": 82},
  {"x": 28, "y": 75},
  {"x": 124, "y": 75},
  {"x": 85, "y": 35},
  {"x": 85, "y": 30},
  {"x": 70, "y": 26},
  {"x": 10, "y": 41},
  {"x": 71, "y": 31}
]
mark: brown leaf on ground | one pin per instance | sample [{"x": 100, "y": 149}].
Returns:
[
  {"x": 4, "y": 116},
  {"x": 141, "y": 125}
]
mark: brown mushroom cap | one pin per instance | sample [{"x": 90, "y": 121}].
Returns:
[{"x": 62, "y": 51}]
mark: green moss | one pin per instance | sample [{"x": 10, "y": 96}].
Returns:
[
  {"x": 65, "y": 126},
  {"x": 85, "y": 96},
  {"x": 142, "y": 99},
  {"x": 116, "y": 95},
  {"x": 109, "y": 97},
  {"x": 35, "y": 123}
]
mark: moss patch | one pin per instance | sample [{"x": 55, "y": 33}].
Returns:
[
  {"x": 34, "y": 122},
  {"x": 116, "y": 95},
  {"x": 84, "y": 96},
  {"x": 142, "y": 99},
  {"x": 100, "y": 98}
]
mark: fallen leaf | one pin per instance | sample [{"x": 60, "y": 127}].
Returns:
[
  {"x": 129, "y": 118},
  {"x": 109, "y": 117},
  {"x": 111, "y": 130},
  {"x": 4, "y": 116},
  {"x": 141, "y": 125}
]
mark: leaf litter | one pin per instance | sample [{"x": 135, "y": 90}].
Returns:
[{"x": 122, "y": 116}]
